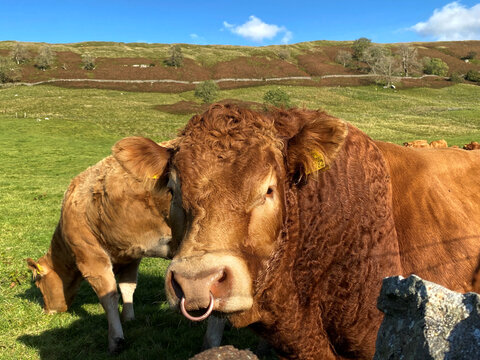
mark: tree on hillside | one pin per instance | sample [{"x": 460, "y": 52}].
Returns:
[
  {"x": 435, "y": 66},
  {"x": 8, "y": 70},
  {"x": 176, "y": 56},
  {"x": 284, "y": 54},
  {"x": 20, "y": 53},
  {"x": 343, "y": 57},
  {"x": 382, "y": 63},
  {"x": 45, "y": 58},
  {"x": 409, "y": 60},
  {"x": 207, "y": 91},
  {"x": 359, "y": 46},
  {"x": 373, "y": 55},
  {"x": 277, "y": 97},
  {"x": 88, "y": 61}
]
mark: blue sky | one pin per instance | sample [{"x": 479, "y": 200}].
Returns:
[{"x": 246, "y": 22}]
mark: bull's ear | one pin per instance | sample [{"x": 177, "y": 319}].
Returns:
[
  {"x": 36, "y": 268},
  {"x": 313, "y": 139},
  {"x": 142, "y": 157}
]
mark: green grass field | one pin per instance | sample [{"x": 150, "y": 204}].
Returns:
[{"x": 50, "y": 134}]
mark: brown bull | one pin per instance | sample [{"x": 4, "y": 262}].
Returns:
[
  {"x": 290, "y": 220},
  {"x": 109, "y": 221}
]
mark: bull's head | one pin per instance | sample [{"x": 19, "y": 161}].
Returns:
[{"x": 228, "y": 179}]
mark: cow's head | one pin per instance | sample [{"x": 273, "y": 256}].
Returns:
[
  {"x": 58, "y": 286},
  {"x": 228, "y": 179}
]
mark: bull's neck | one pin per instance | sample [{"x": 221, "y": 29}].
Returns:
[{"x": 335, "y": 229}]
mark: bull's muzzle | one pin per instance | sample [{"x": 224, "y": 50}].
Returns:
[
  {"x": 199, "y": 290},
  {"x": 211, "y": 282}
]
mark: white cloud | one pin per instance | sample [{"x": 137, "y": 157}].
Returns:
[
  {"x": 452, "y": 22},
  {"x": 287, "y": 37},
  {"x": 256, "y": 30},
  {"x": 197, "y": 39}
]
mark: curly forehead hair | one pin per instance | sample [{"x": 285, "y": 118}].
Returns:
[{"x": 228, "y": 127}]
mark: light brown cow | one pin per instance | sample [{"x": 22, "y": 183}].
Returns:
[
  {"x": 472, "y": 146},
  {"x": 439, "y": 144},
  {"x": 417, "y": 144},
  {"x": 290, "y": 220},
  {"x": 109, "y": 220},
  {"x": 424, "y": 144}
]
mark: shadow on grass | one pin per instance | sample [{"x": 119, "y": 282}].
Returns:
[{"x": 157, "y": 332}]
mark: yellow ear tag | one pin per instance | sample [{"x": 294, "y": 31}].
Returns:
[
  {"x": 155, "y": 177},
  {"x": 39, "y": 268},
  {"x": 318, "y": 162}
]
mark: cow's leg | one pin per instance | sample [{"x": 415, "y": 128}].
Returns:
[
  {"x": 97, "y": 270},
  {"x": 213, "y": 335},
  {"x": 127, "y": 282}
]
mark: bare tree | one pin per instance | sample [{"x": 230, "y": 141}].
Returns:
[
  {"x": 387, "y": 67},
  {"x": 373, "y": 54},
  {"x": 408, "y": 59},
  {"x": 381, "y": 63},
  {"x": 45, "y": 58},
  {"x": 20, "y": 53},
  {"x": 343, "y": 57}
]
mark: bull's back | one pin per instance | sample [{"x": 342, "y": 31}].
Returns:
[{"x": 436, "y": 200}]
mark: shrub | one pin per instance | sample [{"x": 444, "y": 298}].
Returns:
[
  {"x": 359, "y": 46},
  {"x": 176, "y": 56},
  {"x": 470, "y": 56},
  {"x": 283, "y": 54},
  {"x": 435, "y": 66},
  {"x": 473, "y": 75},
  {"x": 456, "y": 77},
  {"x": 45, "y": 58},
  {"x": 207, "y": 91},
  {"x": 278, "y": 98},
  {"x": 8, "y": 70},
  {"x": 88, "y": 61}
]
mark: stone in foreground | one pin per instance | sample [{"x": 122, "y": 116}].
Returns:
[
  {"x": 225, "y": 353},
  {"x": 424, "y": 320}
]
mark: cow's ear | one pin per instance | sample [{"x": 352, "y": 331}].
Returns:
[
  {"x": 313, "y": 139},
  {"x": 142, "y": 157},
  {"x": 36, "y": 268}
]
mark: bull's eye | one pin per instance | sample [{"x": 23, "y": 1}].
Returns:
[{"x": 269, "y": 193}]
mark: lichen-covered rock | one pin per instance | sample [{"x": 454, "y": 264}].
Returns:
[
  {"x": 424, "y": 320},
  {"x": 225, "y": 353}
]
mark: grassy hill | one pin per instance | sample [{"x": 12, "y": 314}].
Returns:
[{"x": 139, "y": 61}]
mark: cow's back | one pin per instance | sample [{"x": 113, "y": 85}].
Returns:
[
  {"x": 436, "y": 200},
  {"x": 124, "y": 217}
]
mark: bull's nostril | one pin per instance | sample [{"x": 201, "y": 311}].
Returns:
[
  {"x": 176, "y": 287},
  {"x": 223, "y": 277}
]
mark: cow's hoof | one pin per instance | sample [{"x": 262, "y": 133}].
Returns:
[
  {"x": 127, "y": 317},
  {"x": 119, "y": 344}
]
